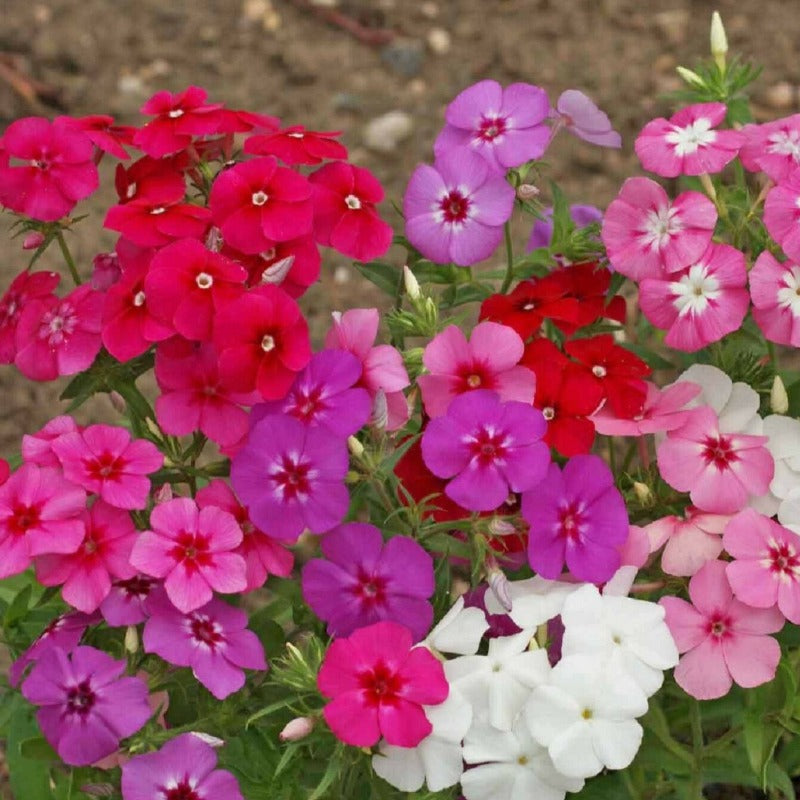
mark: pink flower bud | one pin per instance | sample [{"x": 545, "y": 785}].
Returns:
[
  {"x": 163, "y": 494},
  {"x": 297, "y": 729},
  {"x": 117, "y": 402},
  {"x": 32, "y": 240},
  {"x": 498, "y": 583},
  {"x": 105, "y": 271},
  {"x": 527, "y": 191}
]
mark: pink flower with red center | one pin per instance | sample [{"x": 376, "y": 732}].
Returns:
[
  {"x": 263, "y": 555},
  {"x": 646, "y": 235},
  {"x": 507, "y": 127},
  {"x": 723, "y": 640},
  {"x": 379, "y": 684},
  {"x": 345, "y": 216},
  {"x": 292, "y": 265},
  {"x": 701, "y": 303},
  {"x": 296, "y": 145},
  {"x": 192, "y": 549},
  {"x": 102, "y": 132},
  {"x": 689, "y": 142},
  {"x": 257, "y": 202},
  {"x": 720, "y": 471},
  {"x": 773, "y": 148},
  {"x": 178, "y": 117},
  {"x": 187, "y": 285},
  {"x": 86, "y": 574},
  {"x": 765, "y": 571},
  {"x": 455, "y": 210},
  {"x": 27, "y": 286},
  {"x": 775, "y": 291},
  {"x": 59, "y": 336},
  {"x": 128, "y": 600},
  {"x": 489, "y": 360},
  {"x": 56, "y": 172},
  {"x": 40, "y": 513},
  {"x": 103, "y": 459},
  {"x": 263, "y": 342}
]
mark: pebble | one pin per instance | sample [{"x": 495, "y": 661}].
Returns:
[
  {"x": 673, "y": 24},
  {"x": 439, "y": 41},
  {"x": 346, "y": 101},
  {"x": 341, "y": 275},
  {"x": 429, "y": 10},
  {"x": 130, "y": 84},
  {"x": 385, "y": 132},
  {"x": 404, "y": 56},
  {"x": 781, "y": 95}
]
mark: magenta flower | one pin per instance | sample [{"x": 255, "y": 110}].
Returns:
[
  {"x": 701, "y": 303},
  {"x": 455, "y": 210},
  {"x": 581, "y": 117},
  {"x": 379, "y": 684},
  {"x": 723, "y": 640},
  {"x": 185, "y": 764},
  {"x": 128, "y": 601},
  {"x": 782, "y": 215},
  {"x": 37, "y": 448},
  {"x": 775, "y": 290},
  {"x": 721, "y": 471},
  {"x": 688, "y": 143},
  {"x": 766, "y": 569},
  {"x": 213, "y": 640},
  {"x": 191, "y": 549},
  {"x": 86, "y": 574},
  {"x": 490, "y": 360},
  {"x": 103, "y": 459},
  {"x": 488, "y": 448},
  {"x": 85, "y": 707},
  {"x": 291, "y": 477},
  {"x": 40, "y": 513},
  {"x": 646, "y": 235},
  {"x": 361, "y": 580},
  {"x": 773, "y": 148},
  {"x": 25, "y": 287},
  {"x": 506, "y": 126},
  {"x": 577, "y": 517}
]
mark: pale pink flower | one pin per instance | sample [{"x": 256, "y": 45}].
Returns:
[
  {"x": 581, "y": 117},
  {"x": 782, "y": 215},
  {"x": 775, "y": 290},
  {"x": 646, "y": 235},
  {"x": 688, "y": 143}
]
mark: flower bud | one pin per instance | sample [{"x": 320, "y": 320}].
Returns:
[
  {"x": 642, "y": 492},
  {"x": 131, "y": 639},
  {"x": 380, "y": 410},
  {"x": 500, "y": 527},
  {"x": 778, "y": 397},
  {"x": 117, "y": 402},
  {"x": 211, "y": 741},
  {"x": 527, "y": 191},
  {"x": 32, "y": 240},
  {"x": 355, "y": 447},
  {"x": 106, "y": 271},
  {"x": 296, "y": 729},
  {"x": 719, "y": 41},
  {"x": 411, "y": 284},
  {"x": 691, "y": 77},
  {"x": 163, "y": 494}
]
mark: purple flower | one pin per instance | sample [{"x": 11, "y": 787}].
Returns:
[
  {"x": 576, "y": 516},
  {"x": 183, "y": 769},
  {"x": 128, "y": 601},
  {"x": 291, "y": 477},
  {"x": 542, "y": 233},
  {"x": 489, "y": 448},
  {"x": 324, "y": 393},
  {"x": 455, "y": 210},
  {"x": 499, "y": 624},
  {"x": 85, "y": 707},
  {"x": 364, "y": 581},
  {"x": 580, "y": 116},
  {"x": 506, "y": 126},
  {"x": 212, "y": 640}
]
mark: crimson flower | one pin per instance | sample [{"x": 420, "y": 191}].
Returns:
[
  {"x": 150, "y": 175},
  {"x": 296, "y": 145},
  {"x": 590, "y": 285},
  {"x": 292, "y": 265},
  {"x": 25, "y": 287},
  {"x": 102, "y": 132}
]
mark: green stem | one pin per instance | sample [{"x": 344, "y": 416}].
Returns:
[
  {"x": 68, "y": 258},
  {"x": 696, "y": 722},
  {"x": 773, "y": 354},
  {"x": 509, "y": 276},
  {"x": 612, "y": 457},
  {"x": 629, "y": 785}
]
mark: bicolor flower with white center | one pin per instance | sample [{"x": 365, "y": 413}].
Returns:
[
  {"x": 534, "y": 601},
  {"x": 783, "y": 443},
  {"x": 775, "y": 290},
  {"x": 511, "y": 766},
  {"x": 586, "y": 717},
  {"x": 459, "y": 631}
]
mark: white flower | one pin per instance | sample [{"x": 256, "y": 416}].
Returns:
[
  {"x": 784, "y": 445},
  {"x": 512, "y": 767},
  {"x": 436, "y": 760},
  {"x": 585, "y": 717},
  {"x": 459, "y": 631},
  {"x": 498, "y": 684},
  {"x": 789, "y": 512},
  {"x": 631, "y": 634},
  {"x": 533, "y": 601}
]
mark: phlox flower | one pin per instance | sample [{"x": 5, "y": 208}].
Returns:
[
  {"x": 775, "y": 290},
  {"x": 25, "y": 287},
  {"x": 102, "y": 132},
  {"x": 37, "y": 448},
  {"x": 489, "y": 360},
  {"x": 479, "y": 598},
  {"x": 506, "y": 126},
  {"x": 40, "y": 512},
  {"x": 722, "y": 640},
  {"x": 720, "y": 471},
  {"x": 689, "y": 142},
  {"x": 459, "y": 631},
  {"x": 191, "y": 548},
  {"x": 291, "y": 477},
  {"x": 128, "y": 601},
  {"x": 488, "y": 447},
  {"x": 701, "y": 303},
  {"x": 542, "y": 231},
  {"x": 782, "y": 214},
  {"x": 363, "y": 580},
  {"x": 85, "y": 707},
  {"x": 296, "y": 145},
  {"x": 789, "y": 512},
  {"x": 455, "y": 210},
  {"x": 580, "y": 116},
  {"x": 378, "y": 684},
  {"x": 534, "y": 601},
  {"x": 106, "y": 271},
  {"x": 577, "y": 518},
  {"x": 103, "y": 459},
  {"x": 292, "y": 265},
  {"x": 213, "y": 640},
  {"x": 585, "y": 717},
  {"x": 104, "y": 552},
  {"x": 646, "y": 235},
  {"x": 773, "y": 147},
  {"x": 783, "y": 443},
  {"x": 185, "y": 764}
]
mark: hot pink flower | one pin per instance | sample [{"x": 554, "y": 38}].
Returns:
[
  {"x": 192, "y": 549},
  {"x": 701, "y": 303},
  {"x": 103, "y": 459},
  {"x": 104, "y": 552},
  {"x": 292, "y": 265},
  {"x": 773, "y": 148},
  {"x": 59, "y": 337},
  {"x": 720, "y": 471},
  {"x": 39, "y": 513},
  {"x": 488, "y": 361},
  {"x": 379, "y": 684},
  {"x": 102, "y": 132},
  {"x": 775, "y": 289},
  {"x": 646, "y": 235},
  {"x": 724, "y": 641},
  {"x": 782, "y": 215},
  {"x": 296, "y": 145},
  {"x": 688, "y": 142},
  {"x": 56, "y": 172},
  {"x": 25, "y": 287}
]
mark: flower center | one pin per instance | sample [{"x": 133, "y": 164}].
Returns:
[
  {"x": 40, "y": 163},
  {"x": 23, "y": 518},
  {"x": 599, "y": 371},
  {"x": 205, "y": 631},
  {"x": 175, "y": 113},
  {"x": 192, "y": 550},
  {"x": 473, "y": 381},
  {"x": 719, "y": 626},
  {"x": 259, "y": 198},
  {"x": 80, "y": 699},
  {"x": 157, "y": 210},
  {"x": 138, "y": 299},
  {"x": 380, "y": 684},
  {"x": 105, "y": 467},
  {"x": 549, "y": 413},
  {"x": 719, "y": 451},
  {"x": 693, "y": 293},
  {"x": 529, "y": 306},
  {"x": 370, "y": 589},
  {"x": 782, "y": 561},
  {"x": 454, "y": 207},
  {"x": 183, "y": 791},
  {"x": 491, "y": 127},
  {"x": 58, "y": 324},
  {"x": 695, "y": 135},
  {"x": 570, "y": 521},
  {"x": 306, "y": 404},
  {"x": 587, "y": 713},
  {"x": 293, "y": 478},
  {"x": 789, "y": 292},
  {"x": 204, "y": 280},
  {"x": 267, "y": 342},
  {"x": 352, "y": 202},
  {"x": 660, "y": 225},
  {"x": 488, "y": 446},
  {"x": 138, "y": 586}
]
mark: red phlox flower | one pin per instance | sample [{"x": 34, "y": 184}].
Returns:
[
  {"x": 102, "y": 132},
  {"x": 232, "y": 121},
  {"x": 590, "y": 285},
  {"x": 149, "y": 176},
  {"x": 25, "y": 287},
  {"x": 296, "y": 145},
  {"x": 345, "y": 216},
  {"x": 292, "y": 265}
]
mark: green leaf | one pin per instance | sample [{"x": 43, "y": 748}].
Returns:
[
  {"x": 604, "y": 787},
  {"x": 562, "y": 220},
  {"x": 778, "y": 779},
  {"x": 331, "y": 774},
  {"x": 385, "y": 276},
  {"x": 760, "y": 740},
  {"x": 28, "y": 779},
  {"x": 18, "y": 609},
  {"x": 37, "y": 748}
]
